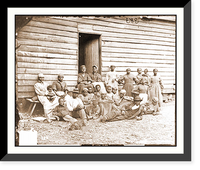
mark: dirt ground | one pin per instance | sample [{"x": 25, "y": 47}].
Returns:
[{"x": 151, "y": 130}]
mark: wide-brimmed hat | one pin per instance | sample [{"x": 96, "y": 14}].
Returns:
[
  {"x": 137, "y": 98},
  {"x": 75, "y": 90}
]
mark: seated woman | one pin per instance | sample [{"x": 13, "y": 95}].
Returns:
[
  {"x": 96, "y": 78},
  {"x": 84, "y": 80},
  {"x": 127, "y": 112}
]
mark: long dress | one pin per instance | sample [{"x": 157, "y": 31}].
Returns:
[
  {"x": 82, "y": 79},
  {"x": 128, "y": 83},
  {"x": 155, "y": 89},
  {"x": 111, "y": 79}
]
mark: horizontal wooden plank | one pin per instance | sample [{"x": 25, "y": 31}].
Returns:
[
  {"x": 46, "y": 77},
  {"x": 138, "y": 56},
  {"x": 32, "y": 82},
  {"x": 123, "y": 35},
  {"x": 26, "y": 94},
  {"x": 105, "y": 22},
  {"x": 49, "y": 31},
  {"x": 138, "y": 41},
  {"x": 48, "y": 44},
  {"x": 137, "y": 31},
  {"x": 45, "y": 71},
  {"x": 134, "y": 68},
  {"x": 65, "y": 62},
  {"x": 30, "y": 48},
  {"x": 46, "y": 66},
  {"x": 141, "y": 23},
  {"x": 136, "y": 60},
  {"x": 136, "y": 51},
  {"x": 46, "y": 37},
  {"x": 45, "y": 55},
  {"x": 55, "y": 21},
  {"x": 137, "y": 46},
  {"x": 117, "y": 64}
]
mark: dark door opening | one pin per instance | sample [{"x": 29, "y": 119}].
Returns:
[{"x": 89, "y": 51}]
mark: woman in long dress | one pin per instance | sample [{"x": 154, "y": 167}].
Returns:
[
  {"x": 128, "y": 82},
  {"x": 155, "y": 88}
]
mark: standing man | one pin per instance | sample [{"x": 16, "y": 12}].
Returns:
[{"x": 112, "y": 77}]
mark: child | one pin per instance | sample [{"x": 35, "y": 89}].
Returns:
[
  {"x": 103, "y": 97},
  {"x": 142, "y": 89},
  {"x": 146, "y": 77},
  {"x": 152, "y": 108},
  {"x": 51, "y": 95},
  {"x": 61, "y": 112},
  {"x": 90, "y": 92},
  {"x": 139, "y": 76},
  {"x": 109, "y": 92},
  {"x": 95, "y": 110},
  {"x": 85, "y": 97}
]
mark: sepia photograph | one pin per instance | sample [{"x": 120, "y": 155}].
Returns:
[{"x": 95, "y": 80}]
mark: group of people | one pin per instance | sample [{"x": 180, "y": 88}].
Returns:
[{"x": 103, "y": 101}]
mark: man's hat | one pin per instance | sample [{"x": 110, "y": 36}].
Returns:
[
  {"x": 76, "y": 90},
  {"x": 123, "y": 91},
  {"x": 40, "y": 75},
  {"x": 137, "y": 98}
]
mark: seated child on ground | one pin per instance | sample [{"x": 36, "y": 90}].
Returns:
[
  {"x": 51, "y": 95},
  {"x": 152, "y": 108},
  {"x": 94, "y": 112}
]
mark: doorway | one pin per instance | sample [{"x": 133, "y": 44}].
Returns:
[{"x": 89, "y": 51}]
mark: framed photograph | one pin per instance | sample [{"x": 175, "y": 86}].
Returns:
[{"x": 98, "y": 84}]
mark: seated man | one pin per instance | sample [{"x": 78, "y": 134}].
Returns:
[
  {"x": 84, "y": 80},
  {"x": 85, "y": 97},
  {"x": 61, "y": 112},
  {"x": 41, "y": 91},
  {"x": 76, "y": 107}
]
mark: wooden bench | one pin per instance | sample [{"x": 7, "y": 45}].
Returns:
[{"x": 32, "y": 106}]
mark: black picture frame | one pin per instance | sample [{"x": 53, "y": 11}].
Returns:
[{"x": 186, "y": 157}]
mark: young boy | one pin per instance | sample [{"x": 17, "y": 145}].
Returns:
[
  {"x": 139, "y": 76},
  {"x": 61, "y": 112},
  {"x": 142, "y": 89},
  {"x": 50, "y": 95},
  {"x": 109, "y": 92}
]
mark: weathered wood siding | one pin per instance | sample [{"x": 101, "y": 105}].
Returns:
[{"x": 50, "y": 45}]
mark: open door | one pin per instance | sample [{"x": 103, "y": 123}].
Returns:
[{"x": 89, "y": 51}]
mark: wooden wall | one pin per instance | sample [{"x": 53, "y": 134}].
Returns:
[{"x": 50, "y": 45}]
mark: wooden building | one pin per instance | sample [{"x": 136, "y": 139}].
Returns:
[{"x": 60, "y": 44}]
